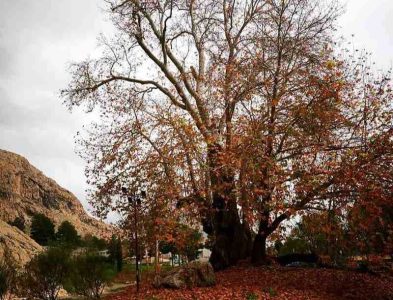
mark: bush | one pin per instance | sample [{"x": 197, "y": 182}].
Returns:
[
  {"x": 45, "y": 274},
  {"x": 89, "y": 276},
  {"x": 42, "y": 229}
]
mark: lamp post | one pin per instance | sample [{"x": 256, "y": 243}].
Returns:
[{"x": 135, "y": 200}]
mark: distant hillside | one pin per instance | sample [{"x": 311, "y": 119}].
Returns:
[{"x": 25, "y": 191}]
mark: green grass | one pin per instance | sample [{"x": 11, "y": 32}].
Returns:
[
  {"x": 142, "y": 267},
  {"x": 271, "y": 291},
  {"x": 146, "y": 270},
  {"x": 145, "y": 267},
  {"x": 251, "y": 296}
]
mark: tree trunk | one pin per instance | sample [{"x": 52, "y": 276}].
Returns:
[
  {"x": 233, "y": 242},
  {"x": 259, "y": 250},
  {"x": 233, "y": 239},
  {"x": 258, "y": 255}
]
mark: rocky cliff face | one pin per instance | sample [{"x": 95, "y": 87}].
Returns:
[
  {"x": 19, "y": 245},
  {"x": 25, "y": 191}
]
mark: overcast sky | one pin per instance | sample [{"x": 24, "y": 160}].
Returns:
[{"x": 39, "y": 37}]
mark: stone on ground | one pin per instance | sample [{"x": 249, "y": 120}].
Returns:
[{"x": 194, "y": 274}]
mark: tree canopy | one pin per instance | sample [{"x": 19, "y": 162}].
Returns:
[
  {"x": 236, "y": 114},
  {"x": 67, "y": 234}
]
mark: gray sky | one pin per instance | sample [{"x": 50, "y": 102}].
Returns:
[{"x": 39, "y": 37}]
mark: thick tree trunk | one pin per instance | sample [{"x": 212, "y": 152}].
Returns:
[
  {"x": 233, "y": 239},
  {"x": 233, "y": 242},
  {"x": 258, "y": 256}
]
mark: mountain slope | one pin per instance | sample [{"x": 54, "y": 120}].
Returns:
[
  {"x": 19, "y": 245},
  {"x": 25, "y": 191}
]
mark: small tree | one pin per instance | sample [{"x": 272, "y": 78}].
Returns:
[
  {"x": 42, "y": 229},
  {"x": 90, "y": 274},
  {"x": 187, "y": 241},
  {"x": 45, "y": 274},
  {"x": 184, "y": 241},
  {"x": 68, "y": 235}
]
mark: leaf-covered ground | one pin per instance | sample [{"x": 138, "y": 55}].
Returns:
[{"x": 277, "y": 283}]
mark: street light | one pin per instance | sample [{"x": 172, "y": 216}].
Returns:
[{"x": 135, "y": 200}]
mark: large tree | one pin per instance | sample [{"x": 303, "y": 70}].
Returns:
[{"x": 238, "y": 113}]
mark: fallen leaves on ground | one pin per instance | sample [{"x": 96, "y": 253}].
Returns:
[{"x": 276, "y": 283}]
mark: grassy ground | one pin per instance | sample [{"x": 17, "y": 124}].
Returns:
[{"x": 147, "y": 272}]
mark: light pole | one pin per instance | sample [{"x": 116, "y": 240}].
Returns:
[{"x": 135, "y": 200}]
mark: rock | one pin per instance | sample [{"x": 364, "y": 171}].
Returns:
[
  {"x": 194, "y": 274},
  {"x": 20, "y": 246},
  {"x": 25, "y": 191}
]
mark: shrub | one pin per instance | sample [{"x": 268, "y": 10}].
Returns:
[
  {"x": 42, "y": 229},
  {"x": 45, "y": 274},
  {"x": 89, "y": 276}
]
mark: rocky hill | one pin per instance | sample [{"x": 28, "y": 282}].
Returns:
[
  {"x": 25, "y": 191},
  {"x": 19, "y": 245}
]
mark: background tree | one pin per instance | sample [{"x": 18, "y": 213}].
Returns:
[
  {"x": 188, "y": 241},
  {"x": 244, "y": 104},
  {"x": 116, "y": 252},
  {"x": 67, "y": 234},
  {"x": 321, "y": 234},
  {"x": 93, "y": 242},
  {"x": 42, "y": 229}
]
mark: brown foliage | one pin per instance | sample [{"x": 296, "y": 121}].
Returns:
[{"x": 227, "y": 104}]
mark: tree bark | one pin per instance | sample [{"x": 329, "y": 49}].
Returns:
[
  {"x": 233, "y": 242},
  {"x": 258, "y": 256},
  {"x": 232, "y": 238}
]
